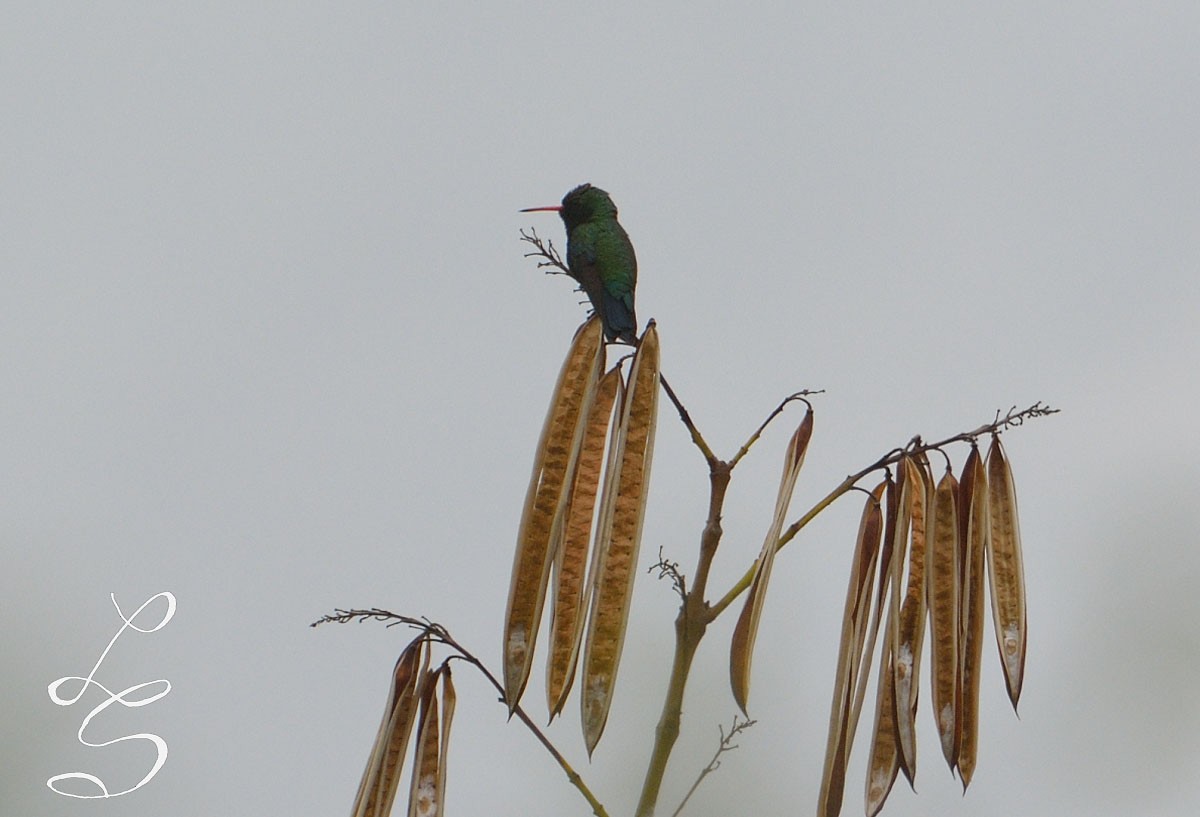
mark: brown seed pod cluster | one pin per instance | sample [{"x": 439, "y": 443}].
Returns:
[
  {"x": 541, "y": 528},
  {"x": 919, "y": 562},
  {"x": 416, "y": 697},
  {"x": 582, "y": 524}
]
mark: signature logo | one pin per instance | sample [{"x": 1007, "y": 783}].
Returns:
[{"x": 132, "y": 697}]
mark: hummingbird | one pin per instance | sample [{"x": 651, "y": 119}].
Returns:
[{"x": 600, "y": 257}]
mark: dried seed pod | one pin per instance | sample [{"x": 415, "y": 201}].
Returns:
[
  {"x": 891, "y": 519},
  {"x": 381, "y": 778},
  {"x": 570, "y": 565},
  {"x": 545, "y": 502},
  {"x": 622, "y": 511},
  {"x": 894, "y": 562},
  {"x": 974, "y": 529},
  {"x": 880, "y": 602},
  {"x": 427, "y": 762},
  {"x": 449, "y": 701},
  {"x": 843, "y": 714},
  {"x": 943, "y": 600},
  {"x": 744, "y": 632},
  {"x": 884, "y": 762},
  {"x": 906, "y": 659},
  {"x": 1005, "y": 570}
]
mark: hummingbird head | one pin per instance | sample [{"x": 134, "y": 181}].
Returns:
[{"x": 582, "y": 204}]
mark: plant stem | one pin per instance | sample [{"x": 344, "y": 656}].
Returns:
[
  {"x": 687, "y": 639},
  {"x": 690, "y": 626}
]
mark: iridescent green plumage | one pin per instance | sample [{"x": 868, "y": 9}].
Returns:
[{"x": 601, "y": 258}]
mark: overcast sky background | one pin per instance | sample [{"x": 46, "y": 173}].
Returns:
[{"x": 270, "y": 344}]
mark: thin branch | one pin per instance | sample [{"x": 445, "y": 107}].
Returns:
[
  {"x": 1012, "y": 419},
  {"x": 551, "y": 261},
  {"x": 800, "y": 395},
  {"x": 438, "y": 633},
  {"x": 686, "y": 418},
  {"x": 726, "y": 745}
]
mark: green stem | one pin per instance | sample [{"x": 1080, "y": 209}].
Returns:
[
  {"x": 572, "y": 776},
  {"x": 744, "y": 582},
  {"x": 690, "y": 626},
  {"x": 687, "y": 640}
]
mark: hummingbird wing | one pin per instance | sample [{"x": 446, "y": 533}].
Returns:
[
  {"x": 618, "y": 311},
  {"x": 600, "y": 257},
  {"x": 582, "y": 261},
  {"x": 619, "y": 275}
]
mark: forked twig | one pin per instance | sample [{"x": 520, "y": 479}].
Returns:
[
  {"x": 551, "y": 261},
  {"x": 726, "y": 745}
]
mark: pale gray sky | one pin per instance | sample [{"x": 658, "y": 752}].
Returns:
[{"x": 270, "y": 344}]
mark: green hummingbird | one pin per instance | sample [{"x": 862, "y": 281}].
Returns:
[{"x": 600, "y": 257}]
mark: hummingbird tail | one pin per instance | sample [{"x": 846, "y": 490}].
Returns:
[{"x": 619, "y": 320}]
